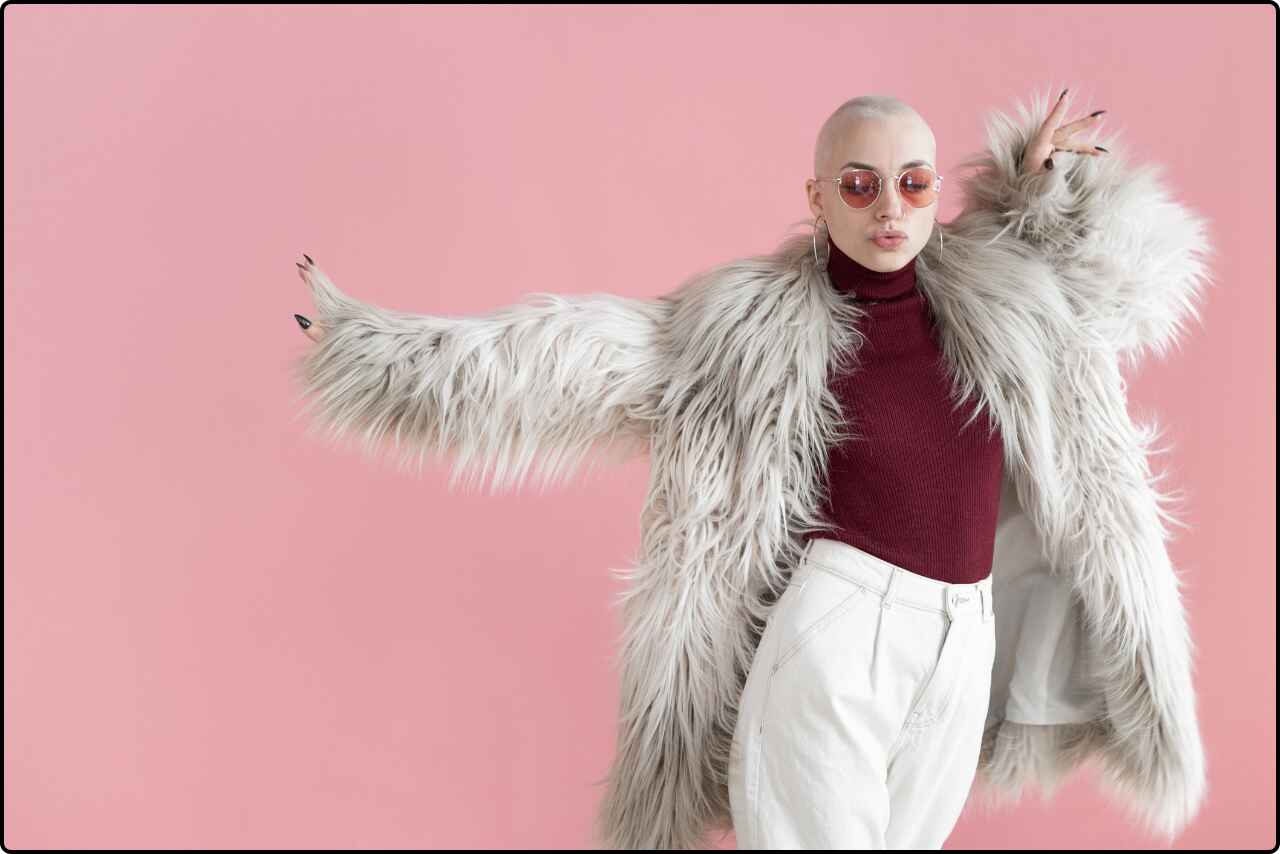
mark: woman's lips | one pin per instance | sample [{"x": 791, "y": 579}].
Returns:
[{"x": 889, "y": 242}]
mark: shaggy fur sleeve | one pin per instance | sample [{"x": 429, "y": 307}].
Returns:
[
  {"x": 546, "y": 381},
  {"x": 1130, "y": 258}
]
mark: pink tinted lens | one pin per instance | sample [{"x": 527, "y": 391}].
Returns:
[
  {"x": 918, "y": 187},
  {"x": 860, "y": 187}
]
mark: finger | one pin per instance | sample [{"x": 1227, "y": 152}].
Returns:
[
  {"x": 1089, "y": 121},
  {"x": 307, "y": 272},
  {"x": 1040, "y": 146},
  {"x": 324, "y": 293},
  {"x": 1080, "y": 148},
  {"x": 309, "y": 327},
  {"x": 1054, "y": 118}
]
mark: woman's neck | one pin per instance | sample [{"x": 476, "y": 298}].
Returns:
[{"x": 865, "y": 284}]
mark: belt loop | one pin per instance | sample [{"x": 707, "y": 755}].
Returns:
[
  {"x": 888, "y": 593},
  {"x": 988, "y": 607},
  {"x": 951, "y": 605}
]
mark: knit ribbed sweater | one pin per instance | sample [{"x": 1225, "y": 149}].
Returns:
[{"x": 912, "y": 487}]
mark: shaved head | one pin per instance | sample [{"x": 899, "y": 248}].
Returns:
[
  {"x": 884, "y": 134},
  {"x": 866, "y": 107}
]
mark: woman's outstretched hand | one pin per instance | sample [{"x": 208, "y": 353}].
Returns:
[
  {"x": 310, "y": 328},
  {"x": 1037, "y": 157}
]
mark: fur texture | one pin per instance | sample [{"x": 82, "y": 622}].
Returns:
[
  {"x": 725, "y": 380},
  {"x": 543, "y": 384},
  {"x": 1133, "y": 262},
  {"x": 1132, "y": 265}
]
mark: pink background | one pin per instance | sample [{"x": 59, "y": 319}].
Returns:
[{"x": 221, "y": 634}]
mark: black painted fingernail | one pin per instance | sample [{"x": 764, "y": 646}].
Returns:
[
  {"x": 1095, "y": 115},
  {"x": 1063, "y": 95},
  {"x": 1100, "y": 148},
  {"x": 1048, "y": 163},
  {"x": 302, "y": 321},
  {"x": 308, "y": 257}
]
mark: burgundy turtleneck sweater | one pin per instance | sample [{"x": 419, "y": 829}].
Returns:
[{"x": 912, "y": 488}]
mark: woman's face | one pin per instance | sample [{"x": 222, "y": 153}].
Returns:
[{"x": 886, "y": 145}]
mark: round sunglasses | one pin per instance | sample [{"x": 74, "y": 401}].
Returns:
[{"x": 859, "y": 188}]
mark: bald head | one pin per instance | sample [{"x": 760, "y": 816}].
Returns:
[
  {"x": 885, "y": 109},
  {"x": 884, "y": 134}
]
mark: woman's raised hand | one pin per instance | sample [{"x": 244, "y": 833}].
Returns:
[
  {"x": 1037, "y": 157},
  {"x": 310, "y": 328}
]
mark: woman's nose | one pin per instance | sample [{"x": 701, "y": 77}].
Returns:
[{"x": 889, "y": 200}]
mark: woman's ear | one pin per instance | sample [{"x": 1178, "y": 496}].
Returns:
[{"x": 813, "y": 197}]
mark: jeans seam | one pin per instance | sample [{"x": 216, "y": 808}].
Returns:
[
  {"x": 837, "y": 610},
  {"x": 755, "y": 774},
  {"x": 914, "y": 709}
]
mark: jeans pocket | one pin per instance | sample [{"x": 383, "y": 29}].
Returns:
[{"x": 824, "y": 599}]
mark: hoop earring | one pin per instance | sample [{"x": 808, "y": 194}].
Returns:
[
  {"x": 941, "y": 245},
  {"x": 821, "y": 266}
]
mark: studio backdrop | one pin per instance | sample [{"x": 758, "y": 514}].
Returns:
[{"x": 223, "y": 631}]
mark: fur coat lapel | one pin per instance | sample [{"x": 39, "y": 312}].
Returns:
[{"x": 724, "y": 382}]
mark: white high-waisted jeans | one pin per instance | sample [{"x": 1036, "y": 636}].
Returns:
[{"x": 862, "y": 716}]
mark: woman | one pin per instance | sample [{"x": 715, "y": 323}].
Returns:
[
  {"x": 839, "y": 393},
  {"x": 864, "y": 710}
]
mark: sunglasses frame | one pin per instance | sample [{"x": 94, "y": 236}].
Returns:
[{"x": 937, "y": 186}]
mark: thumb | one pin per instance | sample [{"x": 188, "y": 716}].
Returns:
[{"x": 309, "y": 328}]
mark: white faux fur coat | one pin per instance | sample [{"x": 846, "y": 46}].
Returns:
[{"x": 1044, "y": 286}]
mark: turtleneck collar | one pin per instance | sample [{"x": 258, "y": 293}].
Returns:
[{"x": 865, "y": 284}]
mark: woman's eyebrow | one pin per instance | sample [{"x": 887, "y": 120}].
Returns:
[{"x": 856, "y": 165}]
